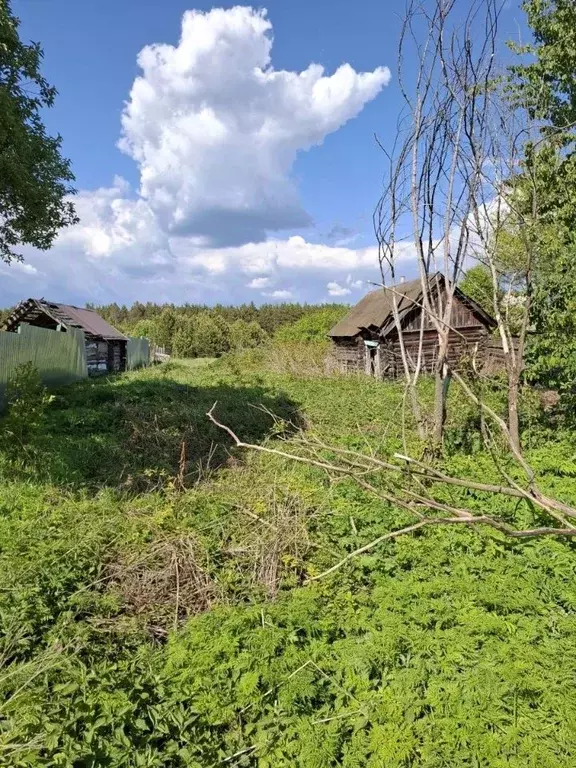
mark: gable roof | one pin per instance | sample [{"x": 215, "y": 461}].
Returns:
[
  {"x": 376, "y": 307},
  {"x": 375, "y": 310},
  {"x": 67, "y": 315}
]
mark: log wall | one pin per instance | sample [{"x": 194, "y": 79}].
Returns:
[
  {"x": 351, "y": 356},
  {"x": 105, "y": 356},
  {"x": 471, "y": 339}
]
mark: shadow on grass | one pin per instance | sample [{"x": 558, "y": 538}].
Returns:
[{"x": 137, "y": 434}]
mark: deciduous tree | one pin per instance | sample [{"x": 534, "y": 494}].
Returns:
[
  {"x": 544, "y": 84},
  {"x": 35, "y": 179}
]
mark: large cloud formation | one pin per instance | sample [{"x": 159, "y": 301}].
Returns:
[{"x": 214, "y": 130}]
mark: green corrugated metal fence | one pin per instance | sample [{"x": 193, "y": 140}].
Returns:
[
  {"x": 137, "y": 353},
  {"x": 59, "y": 357}
]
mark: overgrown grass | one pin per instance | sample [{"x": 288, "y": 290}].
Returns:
[{"x": 153, "y": 610}]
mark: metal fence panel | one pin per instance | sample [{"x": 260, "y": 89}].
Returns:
[
  {"x": 60, "y": 357},
  {"x": 137, "y": 353}
]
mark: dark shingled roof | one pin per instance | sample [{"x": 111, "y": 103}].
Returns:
[
  {"x": 376, "y": 308},
  {"x": 66, "y": 314}
]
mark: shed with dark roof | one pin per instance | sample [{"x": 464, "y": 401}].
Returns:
[
  {"x": 105, "y": 345},
  {"x": 367, "y": 339}
]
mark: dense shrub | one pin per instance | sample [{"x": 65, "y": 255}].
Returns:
[
  {"x": 184, "y": 339},
  {"x": 477, "y": 284},
  {"x": 146, "y": 328},
  {"x": 245, "y": 335},
  {"x": 314, "y": 326},
  {"x": 25, "y": 402},
  {"x": 201, "y": 335},
  {"x": 163, "y": 328},
  {"x": 212, "y": 335}
]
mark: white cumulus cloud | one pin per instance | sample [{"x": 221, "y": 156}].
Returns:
[
  {"x": 354, "y": 284},
  {"x": 281, "y": 294},
  {"x": 335, "y": 289},
  {"x": 215, "y": 129},
  {"x": 259, "y": 282}
]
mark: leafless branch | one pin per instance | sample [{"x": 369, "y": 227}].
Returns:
[{"x": 416, "y": 503}]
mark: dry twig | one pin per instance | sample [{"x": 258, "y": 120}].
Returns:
[{"x": 418, "y": 504}]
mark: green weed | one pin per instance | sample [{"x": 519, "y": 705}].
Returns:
[{"x": 155, "y": 615}]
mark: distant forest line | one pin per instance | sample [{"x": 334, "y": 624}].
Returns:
[{"x": 269, "y": 317}]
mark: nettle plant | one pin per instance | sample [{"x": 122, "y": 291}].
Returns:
[{"x": 26, "y": 402}]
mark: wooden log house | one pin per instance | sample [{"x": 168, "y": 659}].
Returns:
[
  {"x": 105, "y": 346},
  {"x": 367, "y": 339}
]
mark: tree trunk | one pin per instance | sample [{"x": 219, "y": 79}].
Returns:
[
  {"x": 440, "y": 396},
  {"x": 515, "y": 369},
  {"x": 513, "y": 419},
  {"x": 416, "y": 411}
]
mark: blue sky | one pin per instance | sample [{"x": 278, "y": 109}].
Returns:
[{"x": 228, "y": 186}]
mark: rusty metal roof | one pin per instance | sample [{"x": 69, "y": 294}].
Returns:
[{"x": 66, "y": 314}]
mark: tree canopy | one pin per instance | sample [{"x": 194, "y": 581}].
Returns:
[
  {"x": 545, "y": 85},
  {"x": 35, "y": 180}
]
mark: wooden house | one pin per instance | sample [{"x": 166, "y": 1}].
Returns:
[
  {"x": 367, "y": 339},
  {"x": 105, "y": 346}
]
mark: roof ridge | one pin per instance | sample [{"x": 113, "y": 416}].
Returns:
[
  {"x": 374, "y": 309},
  {"x": 63, "y": 304}
]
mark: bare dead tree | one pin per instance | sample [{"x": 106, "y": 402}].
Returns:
[
  {"x": 507, "y": 220},
  {"x": 432, "y": 177}
]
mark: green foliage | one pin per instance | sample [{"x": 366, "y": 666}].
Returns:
[
  {"x": 511, "y": 289},
  {"x": 477, "y": 284},
  {"x": 544, "y": 84},
  {"x": 144, "y": 328},
  {"x": 26, "y": 400},
  {"x": 34, "y": 177},
  {"x": 270, "y": 317},
  {"x": 552, "y": 349},
  {"x": 314, "y": 326},
  {"x": 192, "y": 330},
  {"x": 184, "y": 339},
  {"x": 145, "y": 621},
  {"x": 201, "y": 335},
  {"x": 127, "y": 432},
  {"x": 163, "y": 328},
  {"x": 244, "y": 335},
  {"x": 212, "y": 335},
  {"x": 5, "y": 314}
]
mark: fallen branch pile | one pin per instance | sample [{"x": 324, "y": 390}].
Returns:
[{"x": 409, "y": 483}]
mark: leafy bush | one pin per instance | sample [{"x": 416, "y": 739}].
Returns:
[
  {"x": 184, "y": 339},
  {"x": 477, "y": 283},
  {"x": 245, "y": 335},
  {"x": 314, "y": 326},
  {"x": 144, "y": 328},
  {"x": 163, "y": 328},
  {"x": 212, "y": 335},
  {"x": 202, "y": 335},
  {"x": 26, "y": 401}
]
